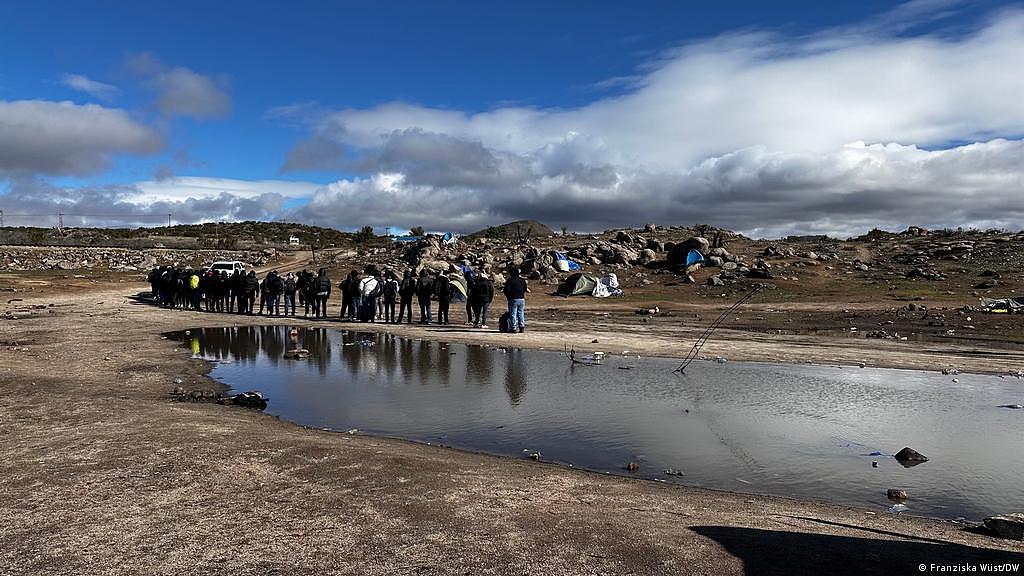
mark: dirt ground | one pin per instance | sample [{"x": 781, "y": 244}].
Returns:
[{"x": 105, "y": 474}]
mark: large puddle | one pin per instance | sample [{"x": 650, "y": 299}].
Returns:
[{"x": 790, "y": 430}]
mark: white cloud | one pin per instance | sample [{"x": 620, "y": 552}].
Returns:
[
  {"x": 89, "y": 86},
  {"x": 184, "y": 187},
  {"x": 63, "y": 138},
  {"x": 748, "y": 130},
  {"x": 127, "y": 205},
  {"x": 181, "y": 91}
]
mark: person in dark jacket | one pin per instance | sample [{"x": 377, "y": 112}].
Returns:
[
  {"x": 251, "y": 287},
  {"x": 307, "y": 287},
  {"x": 323, "y": 293},
  {"x": 291, "y": 285},
  {"x": 424, "y": 289},
  {"x": 348, "y": 295},
  {"x": 263, "y": 295},
  {"x": 224, "y": 288},
  {"x": 406, "y": 290},
  {"x": 390, "y": 296},
  {"x": 481, "y": 293},
  {"x": 443, "y": 290},
  {"x": 275, "y": 288},
  {"x": 515, "y": 292}
]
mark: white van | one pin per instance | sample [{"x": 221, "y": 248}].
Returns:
[{"x": 229, "y": 266}]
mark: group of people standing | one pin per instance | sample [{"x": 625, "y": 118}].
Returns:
[{"x": 371, "y": 296}]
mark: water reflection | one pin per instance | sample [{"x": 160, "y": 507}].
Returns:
[{"x": 801, "y": 431}]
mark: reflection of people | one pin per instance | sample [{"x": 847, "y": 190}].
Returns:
[
  {"x": 515, "y": 292},
  {"x": 515, "y": 376}
]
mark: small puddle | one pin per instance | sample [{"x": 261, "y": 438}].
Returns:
[{"x": 802, "y": 431}]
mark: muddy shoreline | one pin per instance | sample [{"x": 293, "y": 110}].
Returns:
[{"x": 107, "y": 475}]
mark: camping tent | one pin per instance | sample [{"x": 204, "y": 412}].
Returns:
[
  {"x": 1002, "y": 305},
  {"x": 694, "y": 257},
  {"x": 564, "y": 264},
  {"x": 607, "y": 286},
  {"x": 578, "y": 284},
  {"x": 461, "y": 289}
]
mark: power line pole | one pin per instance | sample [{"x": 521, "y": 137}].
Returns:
[
  {"x": 1, "y": 218},
  {"x": 60, "y": 221},
  {"x": 169, "y": 219}
]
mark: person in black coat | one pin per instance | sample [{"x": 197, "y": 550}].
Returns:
[
  {"x": 424, "y": 289},
  {"x": 480, "y": 296},
  {"x": 251, "y": 287},
  {"x": 323, "y": 293},
  {"x": 406, "y": 290},
  {"x": 443, "y": 290}
]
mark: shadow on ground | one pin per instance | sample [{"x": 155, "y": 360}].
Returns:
[{"x": 784, "y": 553}]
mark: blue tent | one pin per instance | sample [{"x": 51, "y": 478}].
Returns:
[
  {"x": 694, "y": 257},
  {"x": 573, "y": 266}
]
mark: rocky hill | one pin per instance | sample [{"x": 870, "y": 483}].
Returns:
[
  {"x": 518, "y": 230},
  {"x": 212, "y": 235}
]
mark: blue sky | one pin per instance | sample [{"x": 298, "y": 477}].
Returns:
[{"x": 393, "y": 113}]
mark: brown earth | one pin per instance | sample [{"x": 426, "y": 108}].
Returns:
[{"x": 105, "y": 474}]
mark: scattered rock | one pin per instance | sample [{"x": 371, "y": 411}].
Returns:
[
  {"x": 896, "y": 494},
  {"x": 246, "y": 400},
  {"x": 632, "y": 466},
  {"x": 1010, "y": 526},
  {"x": 909, "y": 457}
]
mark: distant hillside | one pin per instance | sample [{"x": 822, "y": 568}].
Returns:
[
  {"x": 208, "y": 235},
  {"x": 516, "y": 230}
]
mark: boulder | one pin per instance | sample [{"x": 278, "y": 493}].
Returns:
[
  {"x": 896, "y": 494},
  {"x": 715, "y": 281},
  {"x": 714, "y": 261},
  {"x": 647, "y": 255},
  {"x": 677, "y": 255},
  {"x": 909, "y": 457},
  {"x": 1009, "y": 526}
]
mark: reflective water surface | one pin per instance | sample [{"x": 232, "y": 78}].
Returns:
[{"x": 790, "y": 430}]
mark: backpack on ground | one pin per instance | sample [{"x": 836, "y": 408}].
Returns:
[{"x": 505, "y": 323}]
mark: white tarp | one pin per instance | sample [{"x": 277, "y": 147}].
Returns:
[{"x": 608, "y": 286}]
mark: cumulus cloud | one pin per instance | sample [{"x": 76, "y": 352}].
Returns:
[
  {"x": 89, "y": 86},
  {"x": 181, "y": 91},
  {"x": 129, "y": 205},
  {"x": 63, "y": 138},
  {"x": 748, "y": 130},
  {"x": 754, "y": 190}
]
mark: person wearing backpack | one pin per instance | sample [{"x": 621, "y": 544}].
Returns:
[
  {"x": 480, "y": 296},
  {"x": 251, "y": 286},
  {"x": 323, "y": 292},
  {"x": 406, "y": 290},
  {"x": 390, "y": 294},
  {"x": 309, "y": 292},
  {"x": 349, "y": 286},
  {"x": 369, "y": 288},
  {"x": 291, "y": 285},
  {"x": 424, "y": 289},
  {"x": 443, "y": 290},
  {"x": 275, "y": 288}
]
